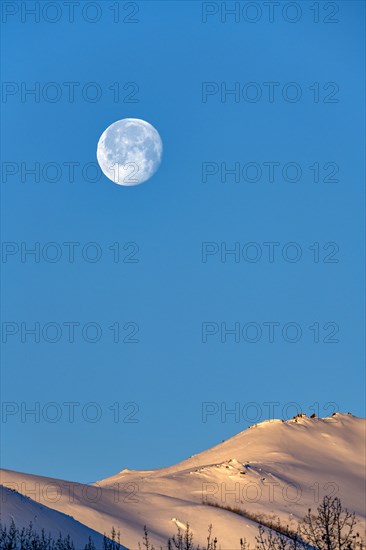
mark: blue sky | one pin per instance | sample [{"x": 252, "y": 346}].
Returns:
[{"x": 169, "y": 292}]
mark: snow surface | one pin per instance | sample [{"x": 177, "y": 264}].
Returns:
[
  {"x": 275, "y": 468},
  {"x": 24, "y": 510}
]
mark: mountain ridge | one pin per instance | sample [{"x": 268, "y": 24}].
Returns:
[{"x": 272, "y": 469}]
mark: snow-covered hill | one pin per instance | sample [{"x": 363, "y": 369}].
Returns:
[
  {"x": 23, "y": 510},
  {"x": 272, "y": 469}
]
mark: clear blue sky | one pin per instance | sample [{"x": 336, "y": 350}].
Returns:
[{"x": 170, "y": 292}]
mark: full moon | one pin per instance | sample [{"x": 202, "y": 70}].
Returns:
[{"x": 129, "y": 151}]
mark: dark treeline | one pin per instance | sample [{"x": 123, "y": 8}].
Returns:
[
  {"x": 331, "y": 527},
  {"x": 13, "y": 538}
]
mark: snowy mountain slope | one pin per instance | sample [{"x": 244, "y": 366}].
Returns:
[
  {"x": 116, "y": 506},
  {"x": 24, "y": 510},
  {"x": 273, "y": 469}
]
